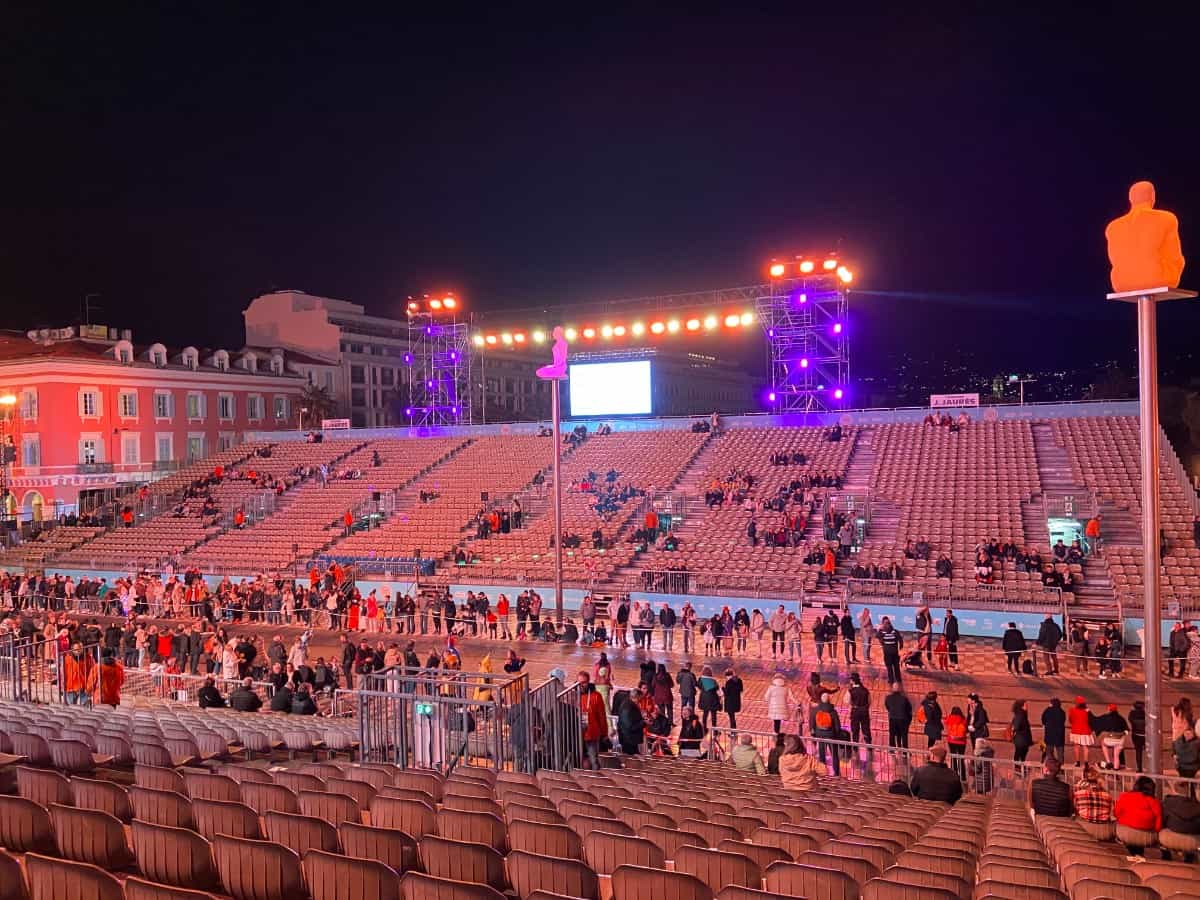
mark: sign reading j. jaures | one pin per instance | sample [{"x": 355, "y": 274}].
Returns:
[{"x": 941, "y": 401}]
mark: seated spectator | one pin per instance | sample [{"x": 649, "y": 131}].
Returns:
[
  {"x": 208, "y": 695},
  {"x": 1181, "y": 823},
  {"x": 935, "y": 780},
  {"x": 1060, "y": 550},
  {"x": 244, "y": 699},
  {"x": 1139, "y": 817},
  {"x": 1050, "y": 795},
  {"x": 1093, "y": 805},
  {"x": 798, "y": 770},
  {"x": 746, "y": 758},
  {"x": 691, "y": 733},
  {"x": 302, "y": 701},
  {"x": 943, "y": 567}
]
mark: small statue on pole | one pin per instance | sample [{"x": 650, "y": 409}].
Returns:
[
  {"x": 554, "y": 373},
  {"x": 1143, "y": 244}
]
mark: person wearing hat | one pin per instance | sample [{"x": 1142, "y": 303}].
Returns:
[
  {"x": 1082, "y": 724},
  {"x": 1112, "y": 728}
]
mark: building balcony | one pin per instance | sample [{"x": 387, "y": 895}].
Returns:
[{"x": 95, "y": 468}]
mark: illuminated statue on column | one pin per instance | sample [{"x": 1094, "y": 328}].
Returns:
[
  {"x": 1143, "y": 244},
  {"x": 557, "y": 369}
]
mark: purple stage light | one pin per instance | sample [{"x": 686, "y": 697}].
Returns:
[
  {"x": 804, "y": 363},
  {"x": 408, "y": 410},
  {"x": 771, "y": 397},
  {"x": 837, "y": 394},
  {"x": 408, "y": 359},
  {"x": 837, "y": 327},
  {"x": 429, "y": 384},
  {"x": 803, "y": 298},
  {"x": 770, "y": 332},
  {"x": 454, "y": 355}
]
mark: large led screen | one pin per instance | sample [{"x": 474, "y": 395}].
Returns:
[{"x": 610, "y": 389}]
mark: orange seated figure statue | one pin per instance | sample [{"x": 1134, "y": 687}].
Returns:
[
  {"x": 557, "y": 369},
  {"x": 1143, "y": 244}
]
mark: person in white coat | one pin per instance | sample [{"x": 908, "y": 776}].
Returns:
[{"x": 780, "y": 702}]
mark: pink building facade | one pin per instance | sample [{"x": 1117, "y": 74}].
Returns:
[{"x": 94, "y": 414}]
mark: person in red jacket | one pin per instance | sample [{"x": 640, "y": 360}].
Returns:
[
  {"x": 595, "y": 719},
  {"x": 106, "y": 681},
  {"x": 1082, "y": 730},
  {"x": 1139, "y": 817}
]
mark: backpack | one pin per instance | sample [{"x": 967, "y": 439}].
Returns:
[
  {"x": 1027, "y": 667},
  {"x": 823, "y": 719},
  {"x": 956, "y": 731}
]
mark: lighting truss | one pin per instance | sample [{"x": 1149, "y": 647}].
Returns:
[
  {"x": 805, "y": 322},
  {"x": 439, "y": 358}
]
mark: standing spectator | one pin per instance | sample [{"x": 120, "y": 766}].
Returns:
[
  {"x": 1137, "y": 731},
  {"x": 1081, "y": 647},
  {"x": 631, "y": 726},
  {"x": 981, "y": 769},
  {"x": 1020, "y": 731},
  {"x": 666, "y": 619},
  {"x": 1082, "y": 730},
  {"x": 1092, "y": 532},
  {"x": 900, "y": 715},
  {"x": 866, "y": 633},
  {"x": 860, "y": 710},
  {"x": 1050, "y": 795},
  {"x": 758, "y": 628},
  {"x": 780, "y": 702},
  {"x": 819, "y": 637},
  {"x": 733, "y": 697},
  {"x": 930, "y": 714},
  {"x": 892, "y": 643},
  {"x": 1093, "y": 805},
  {"x": 924, "y": 624},
  {"x": 977, "y": 719},
  {"x": 1054, "y": 730},
  {"x": 778, "y": 626},
  {"x": 1048, "y": 639},
  {"x": 691, "y": 733},
  {"x": 956, "y": 740},
  {"x": 1182, "y": 717},
  {"x": 105, "y": 680},
  {"x": 77, "y": 669},
  {"x": 849, "y": 647},
  {"x": 1013, "y": 644},
  {"x": 595, "y": 721},
  {"x": 687, "y": 622},
  {"x": 710, "y": 696},
  {"x": 602, "y": 679},
  {"x": 934, "y": 780},
  {"x": 662, "y": 690},
  {"x": 1139, "y": 817},
  {"x": 825, "y": 725},
  {"x": 951, "y": 634},
  {"x": 1177, "y": 649},
  {"x": 685, "y": 680}
]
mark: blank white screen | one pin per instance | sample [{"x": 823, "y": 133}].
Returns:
[{"x": 610, "y": 389}]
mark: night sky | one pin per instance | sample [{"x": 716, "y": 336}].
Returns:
[{"x": 179, "y": 163}]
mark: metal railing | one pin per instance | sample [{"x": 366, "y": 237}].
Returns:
[
  {"x": 1081, "y": 504},
  {"x": 916, "y": 593}
]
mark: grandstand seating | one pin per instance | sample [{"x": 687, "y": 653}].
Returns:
[
  {"x": 716, "y": 542},
  {"x": 658, "y": 827},
  {"x": 47, "y": 544},
  {"x": 310, "y": 515},
  {"x": 648, "y": 460}
]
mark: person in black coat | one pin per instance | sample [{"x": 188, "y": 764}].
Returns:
[
  {"x": 1048, "y": 639},
  {"x": 849, "y": 632},
  {"x": 733, "y": 697},
  {"x": 1054, "y": 729},
  {"x": 209, "y": 697},
  {"x": 631, "y": 727},
  {"x": 977, "y": 719},
  {"x": 1022, "y": 733},
  {"x": 302, "y": 702},
  {"x": 900, "y": 715},
  {"x": 281, "y": 700},
  {"x": 935, "y": 780},
  {"x": 1013, "y": 644},
  {"x": 243, "y": 699},
  {"x": 950, "y": 632},
  {"x": 933, "y": 717}
]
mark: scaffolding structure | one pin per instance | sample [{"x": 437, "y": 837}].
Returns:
[
  {"x": 439, "y": 370},
  {"x": 805, "y": 323}
]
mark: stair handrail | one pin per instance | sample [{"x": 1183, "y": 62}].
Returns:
[
  {"x": 1072, "y": 504},
  {"x": 1177, "y": 469}
]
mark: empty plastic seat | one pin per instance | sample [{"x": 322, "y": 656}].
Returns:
[
  {"x": 207, "y": 786},
  {"x": 174, "y": 856},
  {"x": 213, "y": 817},
  {"x": 140, "y": 889},
  {"x": 389, "y": 846},
  {"x": 462, "y": 861},
  {"x": 90, "y": 836},
  {"x": 633, "y": 883},
  {"x": 480, "y": 828},
  {"x": 161, "y": 807},
  {"x": 265, "y": 798},
  {"x": 418, "y": 886},
  {"x": 716, "y": 868},
  {"x": 300, "y": 833},
  {"x": 160, "y": 778},
  {"x": 60, "y": 879},
  {"x": 90, "y": 793},
  {"x": 257, "y": 870},
  {"x": 531, "y": 872},
  {"x": 333, "y": 877},
  {"x": 43, "y": 786}
]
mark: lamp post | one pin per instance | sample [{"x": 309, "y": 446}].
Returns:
[
  {"x": 1147, "y": 310},
  {"x": 303, "y": 410},
  {"x": 1018, "y": 380},
  {"x": 7, "y": 403}
]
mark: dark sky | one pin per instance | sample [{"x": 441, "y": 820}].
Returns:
[{"x": 180, "y": 162}]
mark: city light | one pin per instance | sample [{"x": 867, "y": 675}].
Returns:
[
  {"x": 589, "y": 333},
  {"x": 733, "y": 320},
  {"x": 771, "y": 397},
  {"x": 807, "y": 266},
  {"x": 777, "y": 270},
  {"x": 710, "y": 322},
  {"x": 449, "y": 302},
  {"x": 804, "y": 362},
  {"x": 657, "y": 327},
  {"x": 413, "y": 306},
  {"x": 837, "y": 327},
  {"x": 829, "y": 265},
  {"x": 491, "y": 339},
  {"x": 539, "y": 337},
  {"x": 506, "y": 338},
  {"x": 435, "y": 303},
  {"x": 639, "y": 329},
  {"x": 693, "y": 324}
]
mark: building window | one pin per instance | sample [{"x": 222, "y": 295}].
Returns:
[
  {"x": 225, "y": 407},
  {"x": 89, "y": 404},
  {"x": 191, "y": 358},
  {"x": 358, "y": 397},
  {"x": 131, "y": 449},
  {"x": 277, "y": 365},
  {"x": 164, "y": 447},
  {"x": 195, "y": 447},
  {"x": 195, "y": 406},
  {"x": 29, "y": 404},
  {"x": 387, "y": 377},
  {"x": 281, "y": 407},
  {"x": 89, "y": 451},
  {"x": 224, "y": 441},
  {"x": 164, "y": 405},
  {"x": 127, "y": 406},
  {"x": 329, "y": 382},
  {"x": 31, "y": 450},
  {"x": 254, "y": 407},
  {"x": 358, "y": 375}
]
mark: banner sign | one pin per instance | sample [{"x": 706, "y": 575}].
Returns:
[
  {"x": 342, "y": 424},
  {"x": 942, "y": 401}
]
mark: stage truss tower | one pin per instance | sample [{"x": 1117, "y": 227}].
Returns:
[
  {"x": 439, "y": 363},
  {"x": 804, "y": 319}
]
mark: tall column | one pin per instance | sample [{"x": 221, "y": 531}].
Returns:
[
  {"x": 556, "y": 440},
  {"x": 1152, "y": 609}
]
